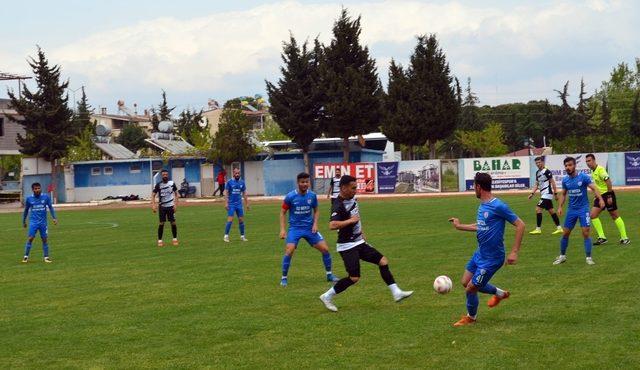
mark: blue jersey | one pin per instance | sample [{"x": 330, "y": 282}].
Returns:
[
  {"x": 235, "y": 188},
  {"x": 300, "y": 208},
  {"x": 490, "y": 234},
  {"x": 38, "y": 208},
  {"x": 576, "y": 188}
]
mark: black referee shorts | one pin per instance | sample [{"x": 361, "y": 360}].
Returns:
[
  {"x": 167, "y": 213},
  {"x": 351, "y": 258},
  {"x": 607, "y": 197}
]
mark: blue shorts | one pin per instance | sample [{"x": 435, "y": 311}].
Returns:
[
  {"x": 482, "y": 269},
  {"x": 294, "y": 236},
  {"x": 573, "y": 216},
  {"x": 235, "y": 209},
  {"x": 34, "y": 228}
]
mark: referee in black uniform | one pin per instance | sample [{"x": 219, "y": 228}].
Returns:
[{"x": 345, "y": 217}]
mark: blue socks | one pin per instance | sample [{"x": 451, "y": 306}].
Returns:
[
  {"x": 488, "y": 289},
  {"x": 472, "y": 304},
  {"x": 45, "y": 249},
  {"x": 241, "y": 225},
  {"x": 286, "y": 262},
  {"x": 587, "y": 247},
  {"x": 326, "y": 259},
  {"x": 227, "y": 227},
  {"x": 564, "y": 243},
  {"x": 27, "y": 248}
]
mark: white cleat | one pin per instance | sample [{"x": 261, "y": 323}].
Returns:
[
  {"x": 328, "y": 303},
  {"x": 243, "y": 238},
  {"x": 402, "y": 295},
  {"x": 560, "y": 259},
  {"x": 47, "y": 260},
  {"x": 226, "y": 239},
  {"x": 589, "y": 261}
]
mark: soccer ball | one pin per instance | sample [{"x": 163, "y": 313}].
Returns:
[{"x": 442, "y": 284}]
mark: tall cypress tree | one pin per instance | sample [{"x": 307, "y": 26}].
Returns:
[
  {"x": 349, "y": 83},
  {"x": 82, "y": 118},
  {"x": 469, "y": 119},
  {"x": 162, "y": 113},
  {"x": 296, "y": 100},
  {"x": 605, "y": 123},
  {"x": 635, "y": 120},
  {"x": 46, "y": 118},
  {"x": 397, "y": 124},
  {"x": 433, "y": 97}
]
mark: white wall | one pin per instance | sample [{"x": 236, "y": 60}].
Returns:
[{"x": 254, "y": 177}]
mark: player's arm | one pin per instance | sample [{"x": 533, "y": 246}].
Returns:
[
  {"x": 316, "y": 217},
  {"x": 463, "y": 227},
  {"x": 154, "y": 208},
  {"x": 562, "y": 198},
  {"x": 517, "y": 243},
  {"x": 337, "y": 225},
  {"x": 53, "y": 211},
  {"x": 226, "y": 192},
  {"x": 595, "y": 191},
  {"x": 175, "y": 197},
  {"x": 609, "y": 185},
  {"x": 283, "y": 221},
  {"x": 533, "y": 191},
  {"x": 554, "y": 187},
  {"x": 27, "y": 206},
  {"x": 246, "y": 199},
  {"x": 330, "y": 188}
]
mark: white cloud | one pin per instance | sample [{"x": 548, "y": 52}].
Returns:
[{"x": 208, "y": 53}]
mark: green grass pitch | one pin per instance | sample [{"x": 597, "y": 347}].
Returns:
[{"x": 112, "y": 299}]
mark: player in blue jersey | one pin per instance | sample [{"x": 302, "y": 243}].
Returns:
[
  {"x": 490, "y": 255},
  {"x": 302, "y": 205},
  {"x": 575, "y": 186},
  {"x": 35, "y": 206},
  {"x": 235, "y": 191}
]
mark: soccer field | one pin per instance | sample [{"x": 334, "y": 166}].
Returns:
[{"x": 113, "y": 299}]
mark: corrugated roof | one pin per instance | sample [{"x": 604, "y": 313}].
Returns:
[
  {"x": 177, "y": 147},
  {"x": 116, "y": 151}
]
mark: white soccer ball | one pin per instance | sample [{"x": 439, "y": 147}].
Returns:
[{"x": 442, "y": 284}]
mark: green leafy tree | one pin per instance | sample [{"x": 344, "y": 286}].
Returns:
[
  {"x": 162, "y": 113},
  {"x": 469, "y": 119},
  {"x": 271, "y": 131},
  {"x": 486, "y": 143},
  {"x": 132, "y": 137},
  {"x": 189, "y": 122},
  {"x": 296, "y": 99},
  {"x": 635, "y": 120},
  {"x": 233, "y": 141},
  {"x": 46, "y": 117},
  {"x": 83, "y": 148},
  {"x": 605, "y": 124},
  {"x": 397, "y": 124},
  {"x": 10, "y": 163},
  {"x": 349, "y": 84},
  {"x": 202, "y": 142}
]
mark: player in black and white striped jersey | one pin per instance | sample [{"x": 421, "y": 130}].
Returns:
[
  {"x": 547, "y": 186},
  {"x": 334, "y": 185},
  {"x": 167, "y": 192}
]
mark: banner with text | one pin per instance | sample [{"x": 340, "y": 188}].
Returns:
[
  {"x": 365, "y": 174},
  {"x": 387, "y": 177},
  {"x": 418, "y": 177},
  {"x": 555, "y": 164},
  {"x": 632, "y": 168},
  {"x": 507, "y": 172}
]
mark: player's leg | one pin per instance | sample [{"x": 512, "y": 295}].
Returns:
[
  {"x": 351, "y": 259},
  {"x": 473, "y": 302},
  {"x": 31, "y": 234},
  {"x": 227, "y": 228},
  {"x": 538, "y": 229},
  {"x": 317, "y": 241},
  {"x": 569, "y": 223},
  {"x": 554, "y": 217},
  {"x": 240, "y": 213},
  {"x": 481, "y": 279},
  {"x": 371, "y": 255},
  {"x": 45, "y": 243},
  {"x": 585, "y": 224},
  {"x": 612, "y": 207},
  {"x": 160, "y": 232},
  {"x": 597, "y": 224},
  {"x": 289, "y": 249},
  {"x": 174, "y": 227}
]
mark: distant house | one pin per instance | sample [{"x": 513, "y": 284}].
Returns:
[
  {"x": 116, "y": 122},
  {"x": 9, "y": 129},
  {"x": 213, "y": 114}
]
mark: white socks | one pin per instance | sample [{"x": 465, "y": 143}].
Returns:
[
  {"x": 330, "y": 293},
  {"x": 394, "y": 289},
  {"x": 499, "y": 293}
]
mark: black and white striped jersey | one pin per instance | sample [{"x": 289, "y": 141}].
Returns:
[
  {"x": 166, "y": 193},
  {"x": 544, "y": 177}
]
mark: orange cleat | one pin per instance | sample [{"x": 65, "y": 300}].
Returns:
[
  {"x": 495, "y": 300},
  {"x": 465, "y": 320},
  {"x": 175, "y": 242},
  {"x": 160, "y": 243}
]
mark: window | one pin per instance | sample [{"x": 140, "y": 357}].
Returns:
[
  {"x": 177, "y": 164},
  {"x": 135, "y": 168},
  {"x": 157, "y": 166},
  {"x": 108, "y": 171},
  {"x": 1, "y": 126},
  {"x": 95, "y": 171}
]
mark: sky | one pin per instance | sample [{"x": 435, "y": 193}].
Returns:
[{"x": 513, "y": 51}]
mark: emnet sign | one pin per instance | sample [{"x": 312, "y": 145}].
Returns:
[{"x": 365, "y": 173}]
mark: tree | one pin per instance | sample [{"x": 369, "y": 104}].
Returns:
[
  {"x": 202, "y": 142},
  {"x": 271, "y": 131},
  {"x": 233, "y": 141},
  {"x": 83, "y": 148},
  {"x": 189, "y": 122},
  {"x": 564, "y": 118},
  {"x": 605, "y": 124},
  {"x": 486, "y": 143},
  {"x": 46, "y": 118},
  {"x": 82, "y": 117},
  {"x": 162, "y": 113},
  {"x": 132, "y": 137},
  {"x": 349, "y": 84},
  {"x": 469, "y": 119},
  {"x": 397, "y": 124},
  {"x": 635, "y": 119},
  {"x": 296, "y": 99}
]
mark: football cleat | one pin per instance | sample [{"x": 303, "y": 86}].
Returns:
[
  {"x": 495, "y": 300},
  {"x": 600, "y": 241},
  {"x": 465, "y": 320},
  {"x": 283, "y": 282},
  {"x": 328, "y": 303},
  {"x": 226, "y": 239},
  {"x": 558, "y": 231},
  {"x": 332, "y": 278},
  {"x": 535, "y": 232},
  {"x": 243, "y": 238},
  {"x": 589, "y": 261},
  {"x": 625, "y": 241},
  {"x": 175, "y": 242},
  {"x": 160, "y": 243},
  {"x": 25, "y": 259},
  {"x": 47, "y": 260},
  {"x": 402, "y": 295},
  {"x": 560, "y": 259}
]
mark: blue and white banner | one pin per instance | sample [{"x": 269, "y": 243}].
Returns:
[
  {"x": 387, "y": 177},
  {"x": 632, "y": 168}
]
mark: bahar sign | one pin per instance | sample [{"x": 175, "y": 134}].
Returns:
[{"x": 507, "y": 172}]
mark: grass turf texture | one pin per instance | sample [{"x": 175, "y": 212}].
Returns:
[{"x": 113, "y": 299}]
